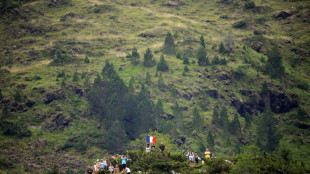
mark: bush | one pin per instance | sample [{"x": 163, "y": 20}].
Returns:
[
  {"x": 249, "y": 4},
  {"x": 18, "y": 129},
  {"x": 240, "y": 24}
]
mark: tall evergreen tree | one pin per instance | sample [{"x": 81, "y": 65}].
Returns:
[
  {"x": 202, "y": 57},
  {"x": 135, "y": 56},
  {"x": 222, "y": 48},
  {"x": 235, "y": 126},
  {"x": 267, "y": 133},
  {"x": 202, "y": 41},
  {"x": 169, "y": 46},
  {"x": 161, "y": 84},
  {"x": 130, "y": 85},
  {"x": 148, "y": 78},
  {"x": 162, "y": 65},
  {"x": 224, "y": 119},
  {"x": 116, "y": 137},
  {"x": 210, "y": 141},
  {"x": 215, "y": 60},
  {"x": 185, "y": 59},
  {"x": 75, "y": 77},
  {"x": 274, "y": 66},
  {"x": 158, "y": 111},
  {"x": 196, "y": 119},
  {"x": 248, "y": 120},
  {"x": 178, "y": 116},
  {"x": 215, "y": 116},
  {"x": 148, "y": 58},
  {"x": 86, "y": 60},
  {"x": 86, "y": 82}
]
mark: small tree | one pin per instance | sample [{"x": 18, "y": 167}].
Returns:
[
  {"x": 169, "y": 46},
  {"x": 135, "y": 56},
  {"x": 202, "y": 57},
  {"x": 148, "y": 58},
  {"x": 75, "y": 77},
  {"x": 215, "y": 116},
  {"x": 86, "y": 60},
  {"x": 186, "y": 68},
  {"x": 274, "y": 66},
  {"x": 215, "y": 60},
  {"x": 202, "y": 41},
  {"x": 148, "y": 78},
  {"x": 185, "y": 59},
  {"x": 222, "y": 48},
  {"x": 162, "y": 65},
  {"x": 196, "y": 119},
  {"x": 161, "y": 84},
  {"x": 235, "y": 127},
  {"x": 210, "y": 141}
]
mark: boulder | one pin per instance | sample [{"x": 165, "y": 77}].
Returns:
[
  {"x": 51, "y": 96},
  {"x": 280, "y": 103},
  {"x": 282, "y": 15},
  {"x": 57, "y": 121},
  {"x": 212, "y": 93}
]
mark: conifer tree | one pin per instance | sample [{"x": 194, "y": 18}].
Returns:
[
  {"x": 178, "y": 116},
  {"x": 97, "y": 81},
  {"x": 223, "y": 61},
  {"x": 169, "y": 46},
  {"x": 135, "y": 56},
  {"x": 148, "y": 58},
  {"x": 158, "y": 111},
  {"x": 161, "y": 84},
  {"x": 130, "y": 85},
  {"x": 224, "y": 119},
  {"x": 201, "y": 55},
  {"x": 148, "y": 78},
  {"x": 116, "y": 137},
  {"x": 215, "y": 60},
  {"x": 222, "y": 48},
  {"x": 86, "y": 60},
  {"x": 196, "y": 119},
  {"x": 267, "y": 133},
  {"x": 274, "y": 66},
  {"x": 202, "y": 41},
  {"x": 86, "y": 82},
  {"x": 162, "y": 65},
  {"x": 215, "y": 116},
  {"x": 248, "y": 120},
  {"x": 210, "y": 141},
  {"x": 75, "y": 77},
  {"x": 235, "y": 127},
  {"x": 186, "y": 68},
  {"x": 185, "y": 59}
]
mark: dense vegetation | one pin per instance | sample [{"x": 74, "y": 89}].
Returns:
[{"x": 82, "y": 79}]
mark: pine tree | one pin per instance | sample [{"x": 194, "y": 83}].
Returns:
[
  {"x": 248, "y": 120},
  {"x": 162, "y": 65},
  {"x": 179, "y": 56},
  {"x": 215, "y": 116},
  {"x": 148, "y": 58},
  {"x": 210, "y": 141},
  {"x": 59, "y": 57},
  {"x": 267, "y": 133},
  {"x": 169, "y": 46},
  {"x": 223, "y": 61},
  {"x": 86, "y": 60},
  {"x": 86, "y": 82},
  {"x": 235, "y": 126},
  {"x": 201, "y": 55},
  {"x": 215, "y": 60},
  {"x": 178, "y": 116},
  {"x": 196, "y": 119},
  {"x": 116, "y": 137},
  {"x": 274, "y": 66},
  {"x": 265, "y": 88},
  {"x": 97, "y": 81},
  {"x": 130, "y": 85},
  {"x": 158, "y": 111},
  {"x": 186, "y": 68},
  {"x": 161, "y": 84},
  {"x": 148, "y": 78},
  {"x": 135, "y": 56},
  {"x": 224, "y": 119},
  {"x": 222, "y": 48},
  {"x": 185, "y": 59},
  {"x": 75, "y": 77},
  {"x": 202, "y": 41}
]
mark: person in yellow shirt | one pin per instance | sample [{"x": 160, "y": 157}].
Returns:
[{"x": 207, "y": 153}]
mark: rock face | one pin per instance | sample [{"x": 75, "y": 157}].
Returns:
[
  {"x": 212, "y": 93},
  {"x": 77, "y": 89},
  {"x": 282, "y": 15},
  {"x": 57, "y": 121},
  {"x": 280, "y": 103},
  {"x": 51, "y": 96}
]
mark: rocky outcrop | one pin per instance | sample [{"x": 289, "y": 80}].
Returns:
[
  {"x": 57, "y": 121},
  {"x": 147, "y": 35},
  {"x": 301, "y": 125},
  {"x": 212, "y": 93},
  {"x": 77, "y": 89},
  {"x": 282, "y": 15},
  {"x": 17, "y": 107},
  {"x": 280, "y": 103},
  {"x": 51, "y": 96},
  {"x": 247, "y": 107}
]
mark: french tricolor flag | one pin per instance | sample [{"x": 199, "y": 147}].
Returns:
[{"x": 150, "y": 139}]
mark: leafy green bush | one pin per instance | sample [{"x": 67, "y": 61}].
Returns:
[{"x": 19, "y": 129}]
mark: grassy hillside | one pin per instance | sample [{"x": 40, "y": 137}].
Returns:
[{"x": 44, "y": 43}]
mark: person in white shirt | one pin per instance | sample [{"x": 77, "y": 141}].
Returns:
[{"x": 127, "y": 170}]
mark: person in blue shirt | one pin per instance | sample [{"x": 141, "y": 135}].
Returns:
[
  {"x": 103, "y": 164},
  {"x": 124, "y": 160}
]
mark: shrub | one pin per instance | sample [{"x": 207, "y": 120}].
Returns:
[
  {"x": 18, "y": 129},
  {"x": 240, "y": 24},
  {"x": 249, "y": 4}
]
